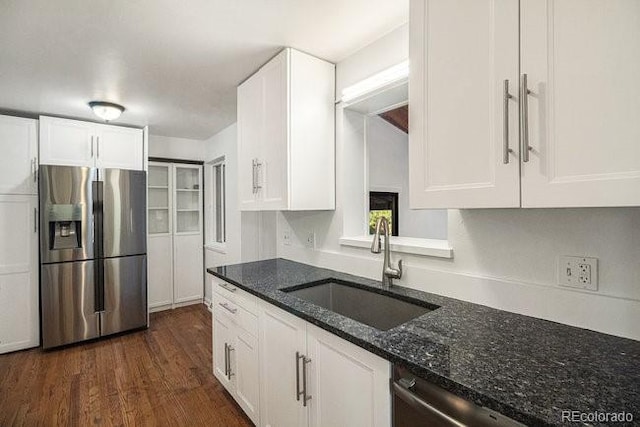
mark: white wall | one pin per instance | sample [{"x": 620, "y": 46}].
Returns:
[
  {"x": 249, "y": 235},
  {"x": 387, "y": 51},
  {"x": 502, "y": 258},
  {"x": 388, "y": 154},
  {"x": 176, "y": 148}
]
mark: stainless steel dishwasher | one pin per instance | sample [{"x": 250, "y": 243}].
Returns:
[{"x": 418, "y": 403}]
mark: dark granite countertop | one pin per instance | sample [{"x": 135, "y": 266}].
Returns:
[{"x": 526, "y": 368}]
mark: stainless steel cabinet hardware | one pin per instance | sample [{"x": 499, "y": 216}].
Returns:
[
  {"x": 258, "y": 174},
  {"x": 505, "y": 132},
  {"x": 305, "y": 397},
  {"x": 34, "y": 168},
  {"x": 226, "y": 360},
  {"x": 98, "y": 147},
  {"x": 92, "y": 146},
  {"x": 524, "y": 117},
  {"x": 35, "y": 220},
  {"x": 229, "y": 350},
  {"x": 298, "y": 392},
  {"x": 226, "y": 307},
  {"x": 227, "y": 287},
  {"x": 253, "y": 175}
]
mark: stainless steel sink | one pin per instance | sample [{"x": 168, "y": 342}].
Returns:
[{"x": 381, "y": 311}]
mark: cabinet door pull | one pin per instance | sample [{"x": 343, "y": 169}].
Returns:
[
  {"x": 34, "y": 168},
  {"x": 305, "y": 396},
  {"x": 226, "y": 360},
  {"x": 98, "y": 147},
  {"x": 253, "y": 175},
  {"x": 92, "y": 146},
  {"x": 229, "y": 350},
  {"x": 258, "y": 174},
  {"x": 524, "y": 117},
  {"x": 35, "y": 220},
  {"x": 298, "y": 392},
  {"x": 505, "y": 132}
]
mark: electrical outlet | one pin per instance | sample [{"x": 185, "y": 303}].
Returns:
[
  {"x": 578, "y": 272},
  {"x": 286, "y": 238},
  {"x": 311, "y": 240}
]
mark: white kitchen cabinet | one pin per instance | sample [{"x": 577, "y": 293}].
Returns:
[
  {"x": 345, "y": 385},
  {"x": 582, "y": 61},
  {"x": 175, "y": 242},
  {"x": 282, "y": 340},
  {"x": 19, "y": 292},
  {"x": 286, "y": 146},
  {"x": 349, "y": 385},
  {"x": 235, "y": 345},
  {"x": 19, "y": 160},
  {"x": 77, "y": 143},
  {"x": 468, "y": 130}
]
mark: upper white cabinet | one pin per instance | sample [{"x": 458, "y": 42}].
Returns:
[
  {"x": 19, "y": 160},
  {"x": 582, "y": 61},
  {"x": 77, "y": 143},
  {"x": 286, "y": 145},
  {"x": 571, "y": 140}
]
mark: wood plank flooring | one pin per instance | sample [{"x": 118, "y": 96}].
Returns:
[{"x": 161, "y": 376}]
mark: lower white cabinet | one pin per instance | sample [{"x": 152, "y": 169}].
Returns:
[
  {"x": 235, "y": 346},
  {"x": 19, "y": 314},
  {"x": 310, "y": 377}
]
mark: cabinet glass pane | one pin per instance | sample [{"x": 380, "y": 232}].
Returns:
[
  {"x": 158, "y": 221},
  {"x": 158, "y": 198},
  {"x": 188, "y": 221},
  {"x": 188, "y": 200},
  {"x": 187, "y": 178},
  {"x": 158, "y": 176}
]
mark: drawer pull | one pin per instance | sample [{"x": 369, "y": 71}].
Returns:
[
  {"x": 226, "y": 307},
  {"x": 227, "y": 287}
]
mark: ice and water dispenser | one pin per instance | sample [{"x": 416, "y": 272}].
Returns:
[{"x": 65, "y": 226}]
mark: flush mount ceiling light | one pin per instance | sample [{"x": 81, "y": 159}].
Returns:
[{"x": 106, "y": 110}]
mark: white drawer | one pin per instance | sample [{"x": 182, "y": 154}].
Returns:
[
  {"x": 236, "y": 314},
  {"x": 236, "y": 295}
]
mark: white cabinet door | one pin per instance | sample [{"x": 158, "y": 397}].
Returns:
[
  {"x": 246, "y": 372},
  {"x": 19, "y": 160},
  {"x": 250, "y": 129},
  {"x": 66, "y": 142},
  {"x": 188, "y": 268},
  {"x": 19, "y": 314},
  {"x": 222, "y": 338},
  {"x": 457, "y": 110},
  {"x": 160, "y": 259},
  {"x": 119, "y": 147},
  {"x": 582, "y": 60},
  {"x": 281, "y": 335},
  {"x": 273, "y": 168},
  {"x": 348, "y": 385}
]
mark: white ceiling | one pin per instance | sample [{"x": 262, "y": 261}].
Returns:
[{"x": 173, "y": 64}]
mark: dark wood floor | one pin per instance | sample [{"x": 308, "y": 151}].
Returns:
[{"x": 161, "y": 376}]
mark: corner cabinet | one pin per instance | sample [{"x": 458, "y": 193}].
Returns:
[
  {"x": 286, "y": 143},
  {"x": 175, "y": 239},
  {"x": 77, "y": 143},
  {"x": 523, "y": 107}
]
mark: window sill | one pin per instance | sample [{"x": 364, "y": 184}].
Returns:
[
  {"x": 220, "y": 248},
  {"x": 407, "y": 245}
]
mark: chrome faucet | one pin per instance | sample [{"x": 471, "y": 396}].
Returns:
[{"x": 388, "y": 272}]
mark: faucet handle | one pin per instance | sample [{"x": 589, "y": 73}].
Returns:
[{"x": 399, "y": 269}]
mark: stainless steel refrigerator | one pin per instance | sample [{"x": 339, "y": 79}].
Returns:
[{"x": 93, "y": 274}]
